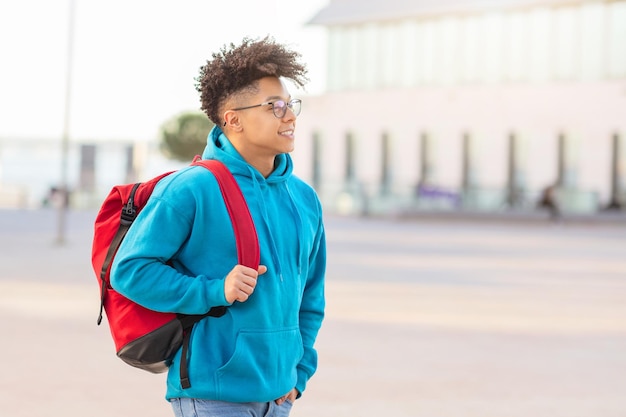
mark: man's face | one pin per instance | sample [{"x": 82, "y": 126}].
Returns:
[{"x": 265, "y": 134}]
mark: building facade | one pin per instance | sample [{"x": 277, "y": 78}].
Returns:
[
  {"x": 469, "y": 104},
  {"x": 30, "y": 170}
]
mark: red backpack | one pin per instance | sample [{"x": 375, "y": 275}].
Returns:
[{"x": 144, "y": 338}]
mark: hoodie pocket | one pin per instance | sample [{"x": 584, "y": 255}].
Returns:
[{"x": 264, "y": 362}]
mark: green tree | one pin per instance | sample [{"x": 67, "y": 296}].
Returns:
[{"x": 184, "y": 136}]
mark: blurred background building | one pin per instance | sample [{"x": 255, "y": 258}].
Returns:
[
  {"x": 466, "y": 104},
  {"x": 471, "y": 105},
  {"x": 29, "y": 170}
]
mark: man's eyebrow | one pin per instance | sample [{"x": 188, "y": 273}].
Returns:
[{"x": 276, "y": 98}]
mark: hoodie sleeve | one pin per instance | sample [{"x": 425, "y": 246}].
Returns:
[
  {"x": 312, "y": 308},
  {"x": 141, "y": 272}
]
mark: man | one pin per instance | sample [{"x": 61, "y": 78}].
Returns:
[{"x": 180, "y": 255}]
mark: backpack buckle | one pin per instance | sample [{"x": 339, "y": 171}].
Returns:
[{"x": 129, "y": 212}]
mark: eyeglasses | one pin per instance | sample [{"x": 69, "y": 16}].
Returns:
[{"x": 279, "y": 107}]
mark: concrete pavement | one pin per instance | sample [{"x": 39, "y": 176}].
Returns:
[{"x": 424, "y": 318}]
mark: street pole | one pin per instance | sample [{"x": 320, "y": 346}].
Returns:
[{"x": 64, "y": 187}]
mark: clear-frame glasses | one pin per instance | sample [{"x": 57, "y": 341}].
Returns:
[{"x": 279, "y": 107}]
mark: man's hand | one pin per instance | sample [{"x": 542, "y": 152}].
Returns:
[
  {"x": 290, "y": 396},
  {"x": 240, "y": 283}
]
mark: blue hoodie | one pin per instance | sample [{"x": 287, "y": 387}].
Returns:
[{"x": 261, "y": 348}]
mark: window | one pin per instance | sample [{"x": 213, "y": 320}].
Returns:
[
  {"x": 515, "y": 47},
  {"x": 370, "y": 52},
  {"x": 389, "y": 55},
  {"x": 565, "y": 41},
  {"x": 408, "y": 53},
  {"x": 592, "y": 44},
  {"x": 469, "y": 49},
  {"x": 448, "y": 63},
  {"x": 427, "y": 47},
  {"x": 492, "y": 47},
  {"x": 351, "y": 55},
  {"x": 335, "y": 64},
  {"x": 616, "y": 40},
  {"x": 539, "y": 57}
]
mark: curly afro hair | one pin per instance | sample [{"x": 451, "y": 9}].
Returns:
[{"x": 235, "y": 69}]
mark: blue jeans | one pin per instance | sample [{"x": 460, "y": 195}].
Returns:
[{"x": 190, "y": 407}]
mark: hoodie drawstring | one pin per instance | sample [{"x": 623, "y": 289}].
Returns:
[{"x": 296, "y": 213}]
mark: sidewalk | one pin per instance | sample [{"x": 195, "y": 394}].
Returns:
[
  {"x": 423, "y": 319},
  {"x": 617, "y": 218}
]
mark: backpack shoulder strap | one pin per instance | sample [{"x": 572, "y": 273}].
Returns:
[{"x": 247, "y": 241}]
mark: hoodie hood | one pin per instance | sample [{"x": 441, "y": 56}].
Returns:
[{"x": 219, "y": 147}]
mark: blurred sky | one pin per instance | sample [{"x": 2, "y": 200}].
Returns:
[{"x": 134, "y": 60}]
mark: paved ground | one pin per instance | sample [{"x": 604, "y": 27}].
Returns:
[{"x": 425, "y": 318}]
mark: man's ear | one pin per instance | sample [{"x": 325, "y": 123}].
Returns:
[{"x": 232, "y": 121}]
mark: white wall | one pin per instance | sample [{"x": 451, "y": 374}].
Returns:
[{"x": 587, "y": 113}]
